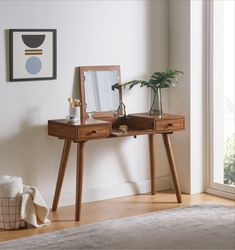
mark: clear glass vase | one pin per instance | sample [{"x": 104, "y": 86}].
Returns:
[{"x": 156, "y": 103}]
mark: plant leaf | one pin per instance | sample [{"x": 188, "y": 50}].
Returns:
[{"x": 115, "y": 86}]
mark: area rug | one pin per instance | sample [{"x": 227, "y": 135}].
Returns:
[{"x": 209, "y": 226}]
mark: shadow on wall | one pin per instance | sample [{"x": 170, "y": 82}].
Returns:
[
  {"x": 7, "y": 49},
  {"x": 75, "y": 90},
  {"x": 25, "y": 154},
  {"x": 116, "y": 148},
  {"x": 157, "y": 26}
]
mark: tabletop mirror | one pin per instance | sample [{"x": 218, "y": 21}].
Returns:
[{"x": 96, "y": 92}]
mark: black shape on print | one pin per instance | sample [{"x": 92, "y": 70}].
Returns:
[{"x": 33, "y": 41}]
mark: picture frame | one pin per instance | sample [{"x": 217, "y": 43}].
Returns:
[{"x": 32, "y": 54}]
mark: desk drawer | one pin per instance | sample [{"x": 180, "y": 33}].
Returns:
[
  {"x": 93, "y": 132},
  {"x": 169, "y": 125}
]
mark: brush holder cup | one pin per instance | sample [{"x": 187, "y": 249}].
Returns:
[{"x": 74, "y": 114}]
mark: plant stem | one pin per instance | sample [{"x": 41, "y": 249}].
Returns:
[
  {"x": 154, "y": 97},
  {"x": 156, "y": 108}
]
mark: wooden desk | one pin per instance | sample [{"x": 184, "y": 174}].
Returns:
[{"x": 92, "y": 129}]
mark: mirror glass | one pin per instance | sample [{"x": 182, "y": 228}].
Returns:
[{"x": 99, "y": 95}]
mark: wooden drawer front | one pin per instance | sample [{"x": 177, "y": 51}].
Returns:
[
  {"x": 61, "y": 130},
  {"x": 93, "y": 132},
  {"x": 169, "y": 125}
]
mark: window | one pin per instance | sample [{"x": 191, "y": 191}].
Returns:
[{"x": 222, "y": 93}]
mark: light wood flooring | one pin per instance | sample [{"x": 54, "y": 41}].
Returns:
[{"x": 114, "y": 209}]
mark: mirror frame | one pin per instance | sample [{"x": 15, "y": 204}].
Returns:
[{"x": 82, "y": 69}]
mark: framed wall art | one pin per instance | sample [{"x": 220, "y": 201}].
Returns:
[{"x": 32, "y": 54}]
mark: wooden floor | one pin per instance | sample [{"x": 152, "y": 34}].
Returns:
[{"x": 113, "y": 209}]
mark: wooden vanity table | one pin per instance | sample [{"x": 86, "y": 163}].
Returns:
[{"x": 87, "y": 129}]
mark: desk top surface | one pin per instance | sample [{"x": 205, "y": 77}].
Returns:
[
  {"x": 164, "y": 116},
  {"x": 91, "y": 121},
  {"x": 79, "y": 123}
]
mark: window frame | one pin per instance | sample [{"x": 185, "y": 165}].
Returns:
[{"x": 212, "y": 186}]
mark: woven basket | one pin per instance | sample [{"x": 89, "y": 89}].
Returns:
[{"x": 10, "y": 208}]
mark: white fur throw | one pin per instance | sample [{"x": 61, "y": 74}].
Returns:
[{"x": 10, "y": 186}]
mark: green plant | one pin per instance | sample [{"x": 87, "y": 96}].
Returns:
[
  {"x": 229, "y": 160},
  {"x": 157, "y": 81}
]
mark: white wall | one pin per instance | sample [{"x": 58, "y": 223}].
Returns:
[
  {"x": 198, "y": 93},
  {"x": 187, "y": 52},
  {"x": 133, "y": 34}
]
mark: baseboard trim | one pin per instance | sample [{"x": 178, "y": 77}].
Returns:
[
  {"x": 110, "y": 192},
  {"x": 220, "y": 193}
]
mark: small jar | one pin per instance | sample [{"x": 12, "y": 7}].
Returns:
[{"x": 74, "y": 114}]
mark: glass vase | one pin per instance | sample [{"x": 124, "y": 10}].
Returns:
[{"x": 156, "y": 103}]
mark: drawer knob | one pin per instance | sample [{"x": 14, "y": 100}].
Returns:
[
  {"x": 169, "y": 125},
  {"x": 94, "y": 132}
]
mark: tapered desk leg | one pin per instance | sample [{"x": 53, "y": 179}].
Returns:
[
  {"x": 171, "y": 160},
  {"x": 79, "y": 180},
  {"x": 60, "y": 178},
  {"x": 152, "y": 163}
]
